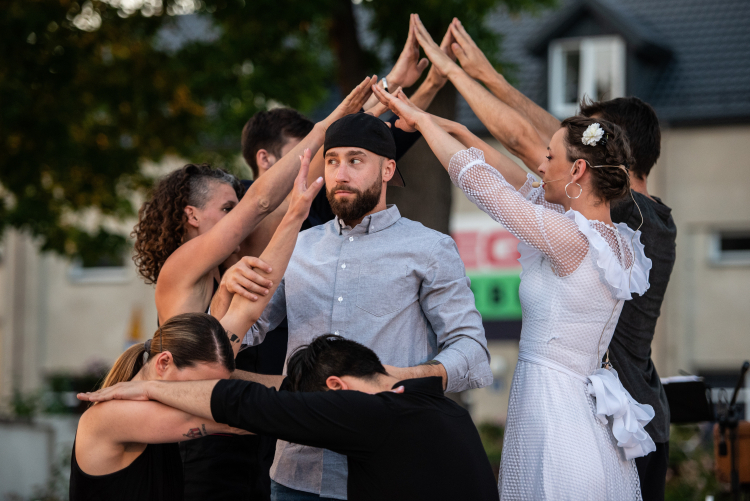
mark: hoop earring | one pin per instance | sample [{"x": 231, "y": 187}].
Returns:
[{"x": 579, "y": 187}]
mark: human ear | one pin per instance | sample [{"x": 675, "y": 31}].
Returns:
[
  {"x": 389, "y": 168},
  {"x": 577, "y": 169},
  {"x": 162, "y": 363},
  {"x": 192, "y": 216},
  {"x": 264, "y": 160},
  {"x": 336, "y": 383}
]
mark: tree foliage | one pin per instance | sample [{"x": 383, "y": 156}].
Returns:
[{"x": 88, "y": 90}]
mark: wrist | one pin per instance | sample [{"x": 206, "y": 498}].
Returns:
[
  {"x": 322, "y": 126},
  {"x": 393, "y": 83},
  {"x": 434, "y": 80},
  {"x": 423, "y": 120},
  {"x": 490, "y": 76},
  {"x": 151, "y": 388}
]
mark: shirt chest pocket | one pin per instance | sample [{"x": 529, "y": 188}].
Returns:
[{"x": 383, "y": 290}]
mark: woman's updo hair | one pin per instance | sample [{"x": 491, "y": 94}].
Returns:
[
  {"x": 608, "y": 183},
  {"x": 161, "y": 220}
]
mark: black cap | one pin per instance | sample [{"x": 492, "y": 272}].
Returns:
[{"x": 364, "y": 131}]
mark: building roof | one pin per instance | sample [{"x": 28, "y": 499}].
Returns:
[{"x": 702, "y": 50}]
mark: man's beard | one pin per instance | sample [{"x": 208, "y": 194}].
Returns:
[{"x": 364, "y": 201}]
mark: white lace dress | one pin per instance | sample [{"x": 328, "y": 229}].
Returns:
[{"x": 572, "y": 428}]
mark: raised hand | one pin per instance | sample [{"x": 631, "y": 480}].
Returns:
[
  {"x": 472, "y": 59},
  {"x": 302, "y": 196},
  {"x": 441, "y": 61},
  {"x": 242, "y": 278},
  {"x": 399, "y": 104},
  {"x": 353, "y": 102},
  {"x": 446, "y": 46},
  {"x": 130, "y": 390},
  {"x": 408, "y": 67}
]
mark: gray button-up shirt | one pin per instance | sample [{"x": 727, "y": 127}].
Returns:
[{"x": 391, "y": 284}]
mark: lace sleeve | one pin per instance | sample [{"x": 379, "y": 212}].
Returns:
[
  {"x": 554, "y": 234},
  {"x": 536, "y": 197}
]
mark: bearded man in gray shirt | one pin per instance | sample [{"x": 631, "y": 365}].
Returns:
[{"x": 377, "y": 278}]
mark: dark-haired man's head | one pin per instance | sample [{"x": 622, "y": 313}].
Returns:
[
  {"x": 638, "y": 119},
  {"x": 331, "y": 362},
  {"x": 359, "y": 154},
  {"x": 269, "y": 135}
]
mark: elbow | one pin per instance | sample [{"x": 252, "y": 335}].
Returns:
[
  {"x": 515, "y": 145},
  {"x": 264, "y": 205}
]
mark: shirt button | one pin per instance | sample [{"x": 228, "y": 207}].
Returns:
[
  {"x": 340, "y": 299},
  {"x": 343, "y": 266},
  {"x": 351, "y": 239}
]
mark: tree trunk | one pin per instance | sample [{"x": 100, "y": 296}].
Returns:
[
  {"x": 427, "y": 195},
  {"x": 349, "y": 54}
]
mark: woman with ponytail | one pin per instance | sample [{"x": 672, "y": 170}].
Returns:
[
  {"x": 128, "y": 450},
  {"x": 573, "y": 430}
]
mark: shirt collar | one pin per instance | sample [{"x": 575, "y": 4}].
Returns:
[{"x": 372, "y": 223}]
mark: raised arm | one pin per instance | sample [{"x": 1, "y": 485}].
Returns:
[
  {"x": 511, "y": 171},
  {"x": 504, "y": 123},
  {"x": 554, "y": 234},
  {"x": 243, "y": 312},
  {"x": 185, "y": 268},
  {"x": 477, "y": 66}
]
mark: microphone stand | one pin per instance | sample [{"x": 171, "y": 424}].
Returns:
[{"x": 730, "y": 421}]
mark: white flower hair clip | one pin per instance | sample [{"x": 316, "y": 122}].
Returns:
[{"x": 592, "y": 134}]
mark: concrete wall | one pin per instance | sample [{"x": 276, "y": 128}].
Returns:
[
  {"x": 57, "y": 317},
  {"x": 704, "y": 175}
]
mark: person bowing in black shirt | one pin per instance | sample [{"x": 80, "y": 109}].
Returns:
[{"x": 402, "y": 439}]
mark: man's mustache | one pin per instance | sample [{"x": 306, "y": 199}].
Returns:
[{"x": 344, "y": 188}]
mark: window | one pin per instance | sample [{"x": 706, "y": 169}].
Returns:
[
  {"x": 730, "y": 248},
  {"x": 103, "y": 269},
  {"x": 578, "y": 67}
]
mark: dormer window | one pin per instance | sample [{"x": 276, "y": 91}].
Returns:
[{"x": 578, "y": 67}]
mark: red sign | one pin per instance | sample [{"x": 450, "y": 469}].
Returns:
[{"x": 482, "y": 249}]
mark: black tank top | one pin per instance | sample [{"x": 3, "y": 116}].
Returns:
[{"x": 155, "y": 475}]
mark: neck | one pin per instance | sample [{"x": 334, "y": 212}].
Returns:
[
  {"x": 591, "y": 208},
  {"x": 385, "y": 383},
  {"x": 639, "y": 184}
]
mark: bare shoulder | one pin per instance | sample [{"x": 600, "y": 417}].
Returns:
[{"x": 98, "y": 450}]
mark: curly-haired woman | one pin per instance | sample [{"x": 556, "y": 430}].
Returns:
[{"x": 197, "y": 217}]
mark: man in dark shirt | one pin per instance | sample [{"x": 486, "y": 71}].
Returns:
[
  {"x": 630, "y": 348},
  {"x": 404, "y": 440},
  {"x": 525, "y": 129}
]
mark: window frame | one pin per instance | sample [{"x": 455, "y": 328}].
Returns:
[
  {"x": 717, "y": 257},
  {"x": 586, "y": 73},
  {"x": 105, "y": 275}
]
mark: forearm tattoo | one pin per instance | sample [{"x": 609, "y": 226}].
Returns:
[
  {"x": 196, "y": 432},
  {"x": 431, "y": 362},
  {"x": 233, "y": 338}
]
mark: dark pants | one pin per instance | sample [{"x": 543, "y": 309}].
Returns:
[
  {"x": 282, "y": 493},
  {"x": 652, "y": 470},
  {"x": 235, "y": 467}
]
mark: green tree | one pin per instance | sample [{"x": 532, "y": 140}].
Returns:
[{"x": 88, "y": 90}]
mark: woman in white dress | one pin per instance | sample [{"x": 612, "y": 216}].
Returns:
[{"x": 572, "y": 429}]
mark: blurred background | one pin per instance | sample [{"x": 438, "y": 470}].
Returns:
[{"x": 100, "y": 98}]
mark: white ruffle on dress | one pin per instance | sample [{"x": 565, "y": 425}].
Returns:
[{"x": 572, "y": 428}]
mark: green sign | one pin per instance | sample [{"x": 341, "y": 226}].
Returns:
[{"x": 496, "y": 294}]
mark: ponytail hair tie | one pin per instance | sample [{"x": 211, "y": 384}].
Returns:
[{"x": 147, "y": 351}]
